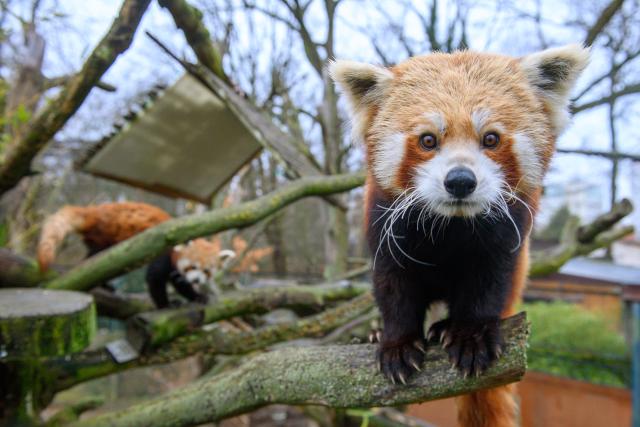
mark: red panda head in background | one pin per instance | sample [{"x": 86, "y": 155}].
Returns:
[
  {"x": 199, "y": 260},
  {"x": 461, "y": 134}
]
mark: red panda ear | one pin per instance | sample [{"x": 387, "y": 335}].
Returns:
[
  {"x": 226, "y": 254},
  {"x": 553, "y": 72},
  {"x": 364, "y": 86}
]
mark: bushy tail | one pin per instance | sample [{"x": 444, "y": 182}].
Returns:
[
  {"x": 495, "y": 407},
  {"x": 55, "y": 229}
]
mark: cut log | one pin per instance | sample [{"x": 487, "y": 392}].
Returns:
[
  {"x": 36, "y": 324},
  {"x": 42, "y": 323}
]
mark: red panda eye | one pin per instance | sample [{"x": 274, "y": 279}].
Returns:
[
  {"x": 428, "y": 141},
  {"x": 490, "y": 139}
]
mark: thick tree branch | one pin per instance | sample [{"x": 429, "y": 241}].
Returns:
[
  {"x": 153, "y": 242},
  {"x": 587, "y": 233},
  {"x": 119, "y": 305},
  {"x": 18, "y": 271},
  {"x": 581, "y": 241},
  {"x": 16, "y": 163},
  {"x": 154, "y": 328},
  {"x": 63, "y": 80},
  {"x": 189, "y": 20},
  {"x": 336, "y": 376},
  {"x": 603, "y": 19},
  {"x": 69, "y": 371}
]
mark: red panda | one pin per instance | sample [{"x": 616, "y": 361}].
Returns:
[
  {"x": 105, "y": 225},
  {"x": 456, "y": 147}
]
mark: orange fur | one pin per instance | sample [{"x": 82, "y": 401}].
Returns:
[
  {"x": 198, "y": 251},
  {"x": 494, "y": 407},
  {"x": 101, "y": 226}
]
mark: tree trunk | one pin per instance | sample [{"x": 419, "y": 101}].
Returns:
[{"x": 337, "y": 235}]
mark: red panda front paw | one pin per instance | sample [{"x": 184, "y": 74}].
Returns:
[
  {"x": 398, "y": 362},
  {"x": 201, "y": 299},
  {"x": 472, "y": 346}
]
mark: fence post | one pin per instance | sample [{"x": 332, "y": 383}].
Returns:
[{"x": 635, "y": 316}]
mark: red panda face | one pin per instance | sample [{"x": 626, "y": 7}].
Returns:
[
  {"x": 199, "y": 260},
  {"x": 461, "y": 134}
]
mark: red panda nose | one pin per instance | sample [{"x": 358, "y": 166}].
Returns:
[{"x": 460, "y": 182}]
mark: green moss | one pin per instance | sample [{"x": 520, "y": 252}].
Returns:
[
  {"x": 4, "y": 234},
  {"x": 45, "y": 333},
  {"x": 568, "y": 340}
]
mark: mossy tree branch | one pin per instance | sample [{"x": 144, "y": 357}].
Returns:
[
  {"x": 154, "y": 328},
  {"x": 582, "y": 240},
  {"x": 17, "y": 271},
  {"x": 136, "y": 251},
  {"x": 16, "y": 162},
  {"x": 66, "y": 372},
  {"x": 335, "y": 376},
  {"x": 189, "y": 20}
]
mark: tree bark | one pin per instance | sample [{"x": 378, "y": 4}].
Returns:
[
  {"x": 189, "y": 20},
  {"x": 20, "y": 272},
  {"x": 143, "y": 247},
  {"x": 16, "y": 162},
  {"x": 149, "y": 330},
  {"x": 335, "y": 376},
  {"x": 582, "y": 240},
  {"x": 69, "y": 371}
]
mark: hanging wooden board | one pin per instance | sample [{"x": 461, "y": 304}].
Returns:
[{"x": 187, "y": 144}]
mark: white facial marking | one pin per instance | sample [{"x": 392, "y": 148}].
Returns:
[
  {"x": 437, "y": 119},
  {"x": 480, "y": 118},
  {"x": 196, "y": 277},
  {"x": 525, "y": 150},
  {"x": 429, "y": 181},
  {"x": 226, "y": 254},
  {"x": 388, "y": 155},
  {"x": 183, "y": 264}
]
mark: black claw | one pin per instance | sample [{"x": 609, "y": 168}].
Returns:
[
  {"x": 398, "y": 362},
  {"x": 375, "y": 336},
  {"x": 471, "y": 346}
]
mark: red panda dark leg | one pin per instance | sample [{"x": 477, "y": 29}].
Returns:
[
  {"x": 401, "y": 350},
  {"x": 157, "y": 277},
  {"x": 497, "y": 406}
]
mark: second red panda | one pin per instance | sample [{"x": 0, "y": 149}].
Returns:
[{"x": 187, "y": 267}]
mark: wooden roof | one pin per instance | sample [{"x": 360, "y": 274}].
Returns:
[{"x": 188, "y": 143}]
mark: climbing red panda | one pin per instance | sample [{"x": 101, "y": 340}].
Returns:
[
  {"x": 101, "y": 226},
  {"x": 456, "y": 146},
  {"x": 187, "y": 266}
]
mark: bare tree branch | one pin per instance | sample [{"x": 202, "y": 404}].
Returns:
[
  {"x": 16, "y": 162},
  {"x": 630, "y": 89},
  {"x": 614, "y": 70},
  {"x": 605, "y": 154},
  {"x": 603, "y": 19}
]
